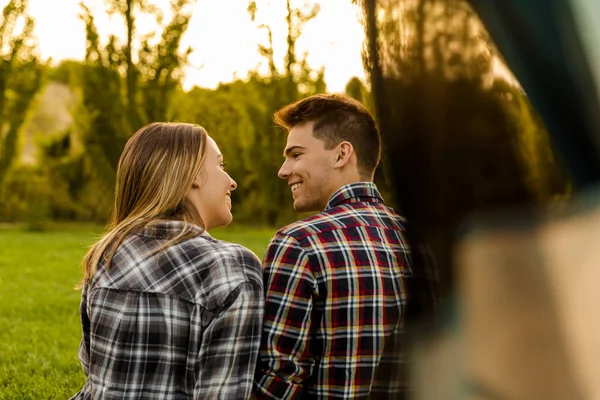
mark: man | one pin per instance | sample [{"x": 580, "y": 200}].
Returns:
[{"x": 334, "y": 282}]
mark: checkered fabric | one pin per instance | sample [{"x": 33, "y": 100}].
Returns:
[
  {"x": 183, "y": 323},
  {"x": 335, "y": 302}
]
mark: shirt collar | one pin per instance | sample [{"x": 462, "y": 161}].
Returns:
[
  {"x": 161, "y": 229},
  {"x": 353, "y": 193}
]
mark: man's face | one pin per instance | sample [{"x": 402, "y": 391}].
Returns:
[{"x": 308, "y": 167}]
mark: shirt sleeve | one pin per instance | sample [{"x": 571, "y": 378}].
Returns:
[
  {"x": 230, "y": 344},
  {"x": 286, "y": 357}
]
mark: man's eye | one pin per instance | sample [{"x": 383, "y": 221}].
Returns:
[
  {"x": 223, "y": 164},
  {"x": 295, "y": 155}
]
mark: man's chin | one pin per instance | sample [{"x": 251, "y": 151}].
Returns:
[
  {"x": 298, "y": 206},
  {"x": 303, "y": 207}
]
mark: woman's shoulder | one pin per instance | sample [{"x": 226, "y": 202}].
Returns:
[
  {"x": 233, "y": 259},
  {"x": 226, "y": 249},
  {"x": 218, "y": 268},
  {"x": 195, "y": 269}
]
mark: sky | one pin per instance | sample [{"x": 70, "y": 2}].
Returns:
[
  {"x": 225, "y": 40},
  {"x": 222, "y": 35}
]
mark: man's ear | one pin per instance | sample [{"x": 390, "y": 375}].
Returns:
[{"x": 345, "y": 151}]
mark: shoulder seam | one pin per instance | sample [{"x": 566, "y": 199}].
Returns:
[{"x": 228, "y": 301}]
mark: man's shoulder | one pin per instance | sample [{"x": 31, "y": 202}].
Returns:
[
  {"x": 312, "y": 225},
  {"x": 336, "y": 218},
  {"x": 344, "y": 217}
]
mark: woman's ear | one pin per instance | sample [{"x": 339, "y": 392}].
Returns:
[
  {"x": 345, "y": 151},
  {"x": 196, "y": 182}
]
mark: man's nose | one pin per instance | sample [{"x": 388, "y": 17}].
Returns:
[{"x": 284, "y": 171}]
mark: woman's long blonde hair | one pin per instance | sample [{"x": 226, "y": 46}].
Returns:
[{"x": 155, "y": 172}]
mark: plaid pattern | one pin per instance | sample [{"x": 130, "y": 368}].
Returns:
[
  {"x": 182, "y": 323},
  {"x": 335, "y": 299}
]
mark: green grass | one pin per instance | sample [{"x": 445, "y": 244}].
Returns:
[{"x": 39, "y": 319}]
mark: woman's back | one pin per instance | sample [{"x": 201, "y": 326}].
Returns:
[{"x": 161, "y": 324}]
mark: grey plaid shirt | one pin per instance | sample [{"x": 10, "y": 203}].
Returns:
[{"x": 184, "y": 323}]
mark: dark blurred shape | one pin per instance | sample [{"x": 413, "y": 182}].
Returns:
[
  {"x": 540, "y": 41},
  {"x": 520, "y": 278},
  {"x": 457, "y": 138}
]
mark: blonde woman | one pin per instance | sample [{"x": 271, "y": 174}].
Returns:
[{"x": 167, "y": 311}]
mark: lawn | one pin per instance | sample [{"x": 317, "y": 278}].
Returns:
[{"x": 39, "y": 320}]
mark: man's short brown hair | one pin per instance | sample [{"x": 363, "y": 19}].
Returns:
[{"x": 337, "y": 118}]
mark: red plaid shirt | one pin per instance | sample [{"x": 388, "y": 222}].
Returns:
[{"x": 335, "y": 300}]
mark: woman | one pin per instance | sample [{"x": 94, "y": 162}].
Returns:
[{"x": 167, "y": 311}]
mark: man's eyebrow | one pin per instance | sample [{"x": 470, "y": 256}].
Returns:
[
  {"x": 220, "y": 156},
  {"x": 289, "y": 150}
]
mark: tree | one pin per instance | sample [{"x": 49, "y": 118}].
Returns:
[
  {"x": 118, "y": 93},
  {"x": 20, "y": 77},
  {"x": 160, "y": 66},
  {"x": 271, "y": 198},
  {"x": 355, "y": 89}
]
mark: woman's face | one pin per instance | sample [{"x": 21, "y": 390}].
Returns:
[{"x": 211, "y": 192}]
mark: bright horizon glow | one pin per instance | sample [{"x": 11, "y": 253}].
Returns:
[{"x": 224, "y": 39}]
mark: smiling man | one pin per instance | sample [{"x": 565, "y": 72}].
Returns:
[{"x": 334, "y": 282}]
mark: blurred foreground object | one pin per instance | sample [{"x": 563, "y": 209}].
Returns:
[
  {"x": 527, "y": 325},
  {"x": 551, "y": 46},
  {"x": 520, "y": 285}
]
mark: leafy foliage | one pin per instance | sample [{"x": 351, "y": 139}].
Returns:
[{"x": 20, "y": 77}]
